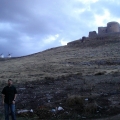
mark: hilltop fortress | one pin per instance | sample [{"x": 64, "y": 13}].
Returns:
[
  {"x": 112, "y": 28},
  {"x": 110, "y": 33}
]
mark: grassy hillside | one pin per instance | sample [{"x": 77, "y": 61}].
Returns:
[{"x": 62, "y": 61}]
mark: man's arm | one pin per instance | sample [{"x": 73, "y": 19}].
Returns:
[
  {"x": 3, "y": 96},
  {"x": 15, "y": 96},
  {"x": 15, "y": 92}
]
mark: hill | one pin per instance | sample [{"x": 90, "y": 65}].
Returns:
[
  {"x": 63, "y": 60},
  {"x": 67, "y": 76}
]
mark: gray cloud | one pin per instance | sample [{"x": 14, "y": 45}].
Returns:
[{"x": 29, "y": 26}]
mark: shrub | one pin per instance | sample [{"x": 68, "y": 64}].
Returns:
[
  {"x": 82, "y": 104},
  {"x": 76, "y": 103},
  {"x": 43, "y": 112},
  {"x": 90, "y": 108}
]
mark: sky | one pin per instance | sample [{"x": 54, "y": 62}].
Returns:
[{"x": 31, "y": 26}]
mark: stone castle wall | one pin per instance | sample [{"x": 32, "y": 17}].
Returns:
[
  {"x": 92, "y": 33},
  {"x": 95, "y": 42},
  {"x": 102, "y": 30}
]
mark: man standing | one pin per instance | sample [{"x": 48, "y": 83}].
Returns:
[{"x": 9, "y": 94}]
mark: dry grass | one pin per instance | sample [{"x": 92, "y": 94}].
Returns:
[{"x": 59, "y": 61}]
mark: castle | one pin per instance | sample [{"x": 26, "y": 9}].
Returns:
[
  {"x": 108, "y": 34},
  {"x": 113, "y": 28}
]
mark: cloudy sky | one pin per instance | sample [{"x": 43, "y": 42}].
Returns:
[{"x": 31, "y": 26}]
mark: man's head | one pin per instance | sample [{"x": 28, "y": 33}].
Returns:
[{"x": 9, "y": 82}]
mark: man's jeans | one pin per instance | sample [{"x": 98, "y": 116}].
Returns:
[{"x": 12, "y": 111}]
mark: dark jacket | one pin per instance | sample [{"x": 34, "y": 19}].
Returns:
[{"x": 9, "y": 92}]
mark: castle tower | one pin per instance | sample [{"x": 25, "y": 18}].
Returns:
[{"x": 113, "y": 27}]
